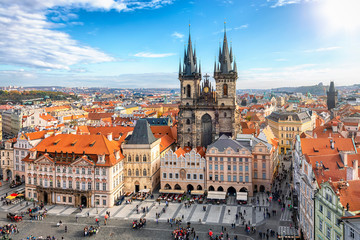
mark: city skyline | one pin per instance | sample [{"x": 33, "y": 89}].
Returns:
[{"x": 139, "y": 44}]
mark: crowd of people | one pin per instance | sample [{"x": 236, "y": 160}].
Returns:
[
  {"x": 139, "y": 224},
  {"x": 91, "y": 230},
  {"x": 184, "y": 233},
  {"x": 9, "y": 229}
]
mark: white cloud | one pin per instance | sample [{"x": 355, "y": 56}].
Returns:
[
  {"x": 244, "y": 26},
  {"x": 241, "y": 27},
  {"x": 322, "y": 49},
  {"x": 177, "y": 35},
  {"x": 280, "y": 3},
  {"x": 29, "y": 38},
  {"x": 153, "y": 55}
]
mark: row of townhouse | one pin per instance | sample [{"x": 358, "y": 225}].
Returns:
[
  {"x": 246, "y": 164},
  {"x": 327, "y": 187}
]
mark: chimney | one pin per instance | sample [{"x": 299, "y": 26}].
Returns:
[
  {"x": 251, "y": 143},
  {"x": 344, "y": 157},
  {"x": 332, "y": 144},
  {"x": 356, "y": 169},
  {"x": 109, "y": 136}
]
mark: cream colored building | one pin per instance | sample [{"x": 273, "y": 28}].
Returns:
[
  {"x": 0, "y": 127},
  {"x": 286, "y": 125},
  {"x": 142, "y": 152},
  {"x": 183, "y": 169},
  {"x": 7, "y": 159}
]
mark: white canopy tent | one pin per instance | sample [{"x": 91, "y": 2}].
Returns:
[
  {"x": 216, "y": 195},
  {"x": 241, "y": 196},
  {"x": 144, "y": 190}
]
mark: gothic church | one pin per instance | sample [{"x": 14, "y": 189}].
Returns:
[{"x": 207, "y": 113}]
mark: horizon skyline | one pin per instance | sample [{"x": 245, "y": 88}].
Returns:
[{"x": 276, "y": 43}]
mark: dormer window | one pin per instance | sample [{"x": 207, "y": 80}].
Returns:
[
  {"x": 101, "y": 159},
  {"x": 33, "y": 155}
]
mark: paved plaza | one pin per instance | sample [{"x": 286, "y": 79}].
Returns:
[{"x": 215, "y": 217}]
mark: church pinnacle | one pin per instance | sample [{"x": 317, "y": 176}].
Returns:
[
  {"x": 226, "y": 56},
  {"x": 190, "y": 61}
]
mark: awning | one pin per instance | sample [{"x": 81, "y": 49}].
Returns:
[
  {"x": 216, "y": 195},
  {"x": 172, "y": 191},
  {"x": 197, "y": 192},
  {"x": 144, "y": 191},
  {"x": 10, "y": 197},
  {"x": 241, "y": 196}
]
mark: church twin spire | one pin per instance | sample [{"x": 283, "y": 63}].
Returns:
[
  {"x": 226, "y": 62},
  {"x": 190, "y": 65}
]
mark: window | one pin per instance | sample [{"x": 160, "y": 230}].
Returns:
[
  {"x": 164, "y": 175},
  {"x": 216, "y": 177},
  {"x": 144, "y": 172},
  {"x": 137, "y": 158},
  {"x": 58, "y": 184},
  {"x": 176, "y": 175},
  {"x": 234, "y": 159},
  {"x": 221, "y": 177},
  {"x": 246, "y": 168},
  {"x": 104, "y": 202},
  {"x": 200, "y": 176},
  {"x": 97, "y": 186},
  {"x": 78, "y": 185},
  {"x": 255, "y": 175},
  {"x": 263, "y": 165},
  {"x": 241, "y": 179},
  {"x": 137, "y": 172},
  {"x": 64, "y": 184},
  {"x": 89, "y": 185},
  {"x": 144, "y": 158},
  {"x": 234, "y": 167},
  {"x": 246, "y": 178},
  {"x": 51, "y": 183},
  {"x": 194, "y": 176},
  {"x": 77, "y": 171},
  {"x": 70, "y": 199},
  {"x": 104, "y": 187},
  {"x": 97, "y": 172},
  {"x": 69, "y": 170},
  {"x": 234, "y": 178},
  {"x": 216, "y": 167},
  {"x": 263, "y": 175},
  {"x": 83, "y": 186},
  {"x": 58, "y": 169},
  {"x": 240, "y": 168},
  {"x": 70, "y": 184},
  {"x": 321, "y": 208},
  {"x": 255, "y": 165},
  {"x": 188, "y": 176},
  {"x": 210, "y": 177},
  {"x": 40, "y": 181},
  {"x": 129, "y": 172},
  {"x": 210, "y": 166},
  {"x": 328, "y": 215},
  {"x": 29, "y": 180},
  {"x": 170, "y": 175},
  {"x": 240, "y": 159},
  {"x": 320, "y": 224},
  {"x": 229, "y": 178},
  {"x": 352, "y": 233},
  {"x": 246, "y": 160},
  {"x": 64, "y": 170},
  {"x": 328, "y": 232},
  {"x": 225, "y": 89},
  {"x": 221, "y": 159},
  {"x": 210, "y": 158},
  {"x": 89, "y": 171}
]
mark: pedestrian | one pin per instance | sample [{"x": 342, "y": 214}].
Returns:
[
  {"x": 77, "y": 218},
  {"x": 229, "y": 211}
]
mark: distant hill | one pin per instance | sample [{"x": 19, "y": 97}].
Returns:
[{"x": 318, "y": 89}]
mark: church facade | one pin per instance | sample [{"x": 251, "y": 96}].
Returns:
[{"x": 207, "y": 111}]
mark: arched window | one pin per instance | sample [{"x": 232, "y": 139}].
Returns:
[
  {"x": 187, "y": 121},
  {"x": 225, "y": 89},
  {"x": 184, "y": 90},
  {"x": 188, "y": 91},
  {"x": 137, "y": 158},
  {"x": 137, "y": 172},
  {"x": 144, "y": 172},
  {"x": 144, "y": 158},
  {"x": 129, "y": 158},
  {"x": 129, "y": 172},
  {"x": 189, "y": 130},
  {"x": 224, "y": 114}
]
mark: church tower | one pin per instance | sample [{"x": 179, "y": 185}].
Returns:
[
  {"x": 190, "y": 77},
  {"x": 331, "y": 96},
  {"x": 206, "y": 113},
  {"x": 225, "y": 75}
]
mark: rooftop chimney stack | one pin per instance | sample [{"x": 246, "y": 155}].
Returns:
[{"x": 109, "y": 136}]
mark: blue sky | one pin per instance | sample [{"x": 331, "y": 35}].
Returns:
[{"x": 128, "y": 43}]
